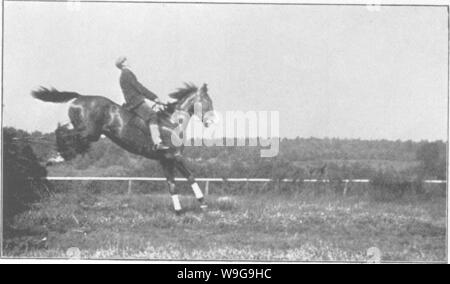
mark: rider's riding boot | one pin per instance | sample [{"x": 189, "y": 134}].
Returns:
[{"x": 154, "y": 130}]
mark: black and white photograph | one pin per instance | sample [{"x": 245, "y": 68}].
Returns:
[{"x": 230, "y": 132}]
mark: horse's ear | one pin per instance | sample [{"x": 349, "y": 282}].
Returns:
[{"x": 205, "y": 88}]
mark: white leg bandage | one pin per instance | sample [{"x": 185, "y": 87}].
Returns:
[
  {"x": 176, "y": 202},
  {"x": 197, "y": 191}
]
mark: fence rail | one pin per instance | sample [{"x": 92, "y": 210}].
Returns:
[
  {"x": 208, "y": 180},
  {"x": 216, "y": 179}
]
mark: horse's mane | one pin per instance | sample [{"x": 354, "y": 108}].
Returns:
[{"x": 183, "y": 92}]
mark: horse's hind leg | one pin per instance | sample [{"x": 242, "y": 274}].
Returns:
[
  {"x": 88, "y": 130},
  {"x": 169, "y": 171},
  {"x": 181, "y": 166}
]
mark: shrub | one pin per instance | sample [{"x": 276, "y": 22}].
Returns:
[
  {"x": 432, "y": 157},
  {"x": 389, "y": 186},
  {"x": 69, "y": 143},
  {"x": 20, "y": 164}
]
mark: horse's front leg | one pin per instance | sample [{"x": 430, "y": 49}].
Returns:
[
  {"x": 181, "y": 166},
  {"x": 169, "y": 171}
]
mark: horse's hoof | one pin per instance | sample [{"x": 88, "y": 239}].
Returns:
[{"x": 179, "y": 212}]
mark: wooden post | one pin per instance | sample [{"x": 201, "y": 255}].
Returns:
[
  {"x": 261, "y": 189},
  {"x": 346, "y": 188},
  {"x": 207, "y": 188},
  {"x": 130, "y": 183}
]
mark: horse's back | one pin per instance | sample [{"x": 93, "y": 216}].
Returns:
[
  {"x": 93, "y": 101},
  {"x": 91, "y": 112}
]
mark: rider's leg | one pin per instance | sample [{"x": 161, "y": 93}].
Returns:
[
  {"x": 149, "y": 115},
  {"x": 156, "y": 136},
  {"x": 154, "y": 131}
]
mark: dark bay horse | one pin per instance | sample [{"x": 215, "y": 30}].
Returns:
[{"x": 93, "y": 116}]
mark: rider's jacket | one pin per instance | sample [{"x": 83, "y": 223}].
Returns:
[{"x": 135, "y": 93}]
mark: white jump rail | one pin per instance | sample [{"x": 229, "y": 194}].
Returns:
[
  {"x": 208, "y": 180},
  {"x": 216, "y": 179}
]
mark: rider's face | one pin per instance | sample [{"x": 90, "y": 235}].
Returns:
[{"x": 126, "y": 64}]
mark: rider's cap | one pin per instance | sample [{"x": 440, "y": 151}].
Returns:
[{"x": 120, "y": 61}]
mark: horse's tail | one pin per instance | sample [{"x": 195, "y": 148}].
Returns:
[{"x": 53, "y": 95}]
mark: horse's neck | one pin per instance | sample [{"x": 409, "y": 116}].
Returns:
[
  {"x": 181, "y": 117},
  {"x": 181, "y": 114}
]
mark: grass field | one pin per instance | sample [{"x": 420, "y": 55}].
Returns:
[{"x": 270, "y": 226}]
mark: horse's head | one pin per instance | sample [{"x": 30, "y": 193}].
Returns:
[
  {"x": 195, "y": 101},
  {"x": 204, "y": 101}
]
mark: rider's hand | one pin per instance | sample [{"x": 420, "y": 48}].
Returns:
[{"x": 158, "y": 105}]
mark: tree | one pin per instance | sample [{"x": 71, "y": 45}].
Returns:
[
  {"x": 432, "y": 158},
  {"x": 21, "y": 167},
  {"x": 69, "y": 143}
]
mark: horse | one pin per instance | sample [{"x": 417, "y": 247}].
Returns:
[{"x": 94, "y": 116}]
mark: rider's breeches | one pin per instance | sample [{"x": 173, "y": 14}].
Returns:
[
  {"x": 146, "y": 113},
  {"x": 149, "y": 115}
]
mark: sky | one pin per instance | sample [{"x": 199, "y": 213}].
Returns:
[{"x": 330, "y": 71}]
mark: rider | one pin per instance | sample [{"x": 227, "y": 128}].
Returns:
[{"x": 135, "y": 94}]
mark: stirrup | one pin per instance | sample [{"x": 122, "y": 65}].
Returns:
[{"x": 159, "y": 147}]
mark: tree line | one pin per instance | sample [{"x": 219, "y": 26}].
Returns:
[{"x": 344, "y": 158}]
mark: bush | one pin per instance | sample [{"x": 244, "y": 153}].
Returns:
[
  {"x": 390, "y": 186},
  {"x": 432, "y": 157},
  {"x": 69, "y": 143},
  {"x": 21, "y": 164}
]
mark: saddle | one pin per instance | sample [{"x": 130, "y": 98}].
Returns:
[{"x": 163, "y": 113}]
